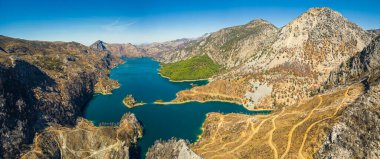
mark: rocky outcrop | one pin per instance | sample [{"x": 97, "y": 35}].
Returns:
[
  {"x": 173, "y": 148},
  {"x": 356, "y": 133},
  {"x": 99, "y": 45},
  {"x": 376, "y": 32},
  {"x": 39, "y": 86},
  {"x": 105, "y": 85},
  {"x": 87, "y": 141},
  {"x": 364, "y": 65}
]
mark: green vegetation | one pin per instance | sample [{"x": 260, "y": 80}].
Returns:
[{"x": 198, "y": 67}]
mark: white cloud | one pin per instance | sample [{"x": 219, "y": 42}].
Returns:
[{"x": 118, "y": 25}]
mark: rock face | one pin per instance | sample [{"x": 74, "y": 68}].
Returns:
[
  {"x": 174, "y": 149},
  {"x": 287, "y": 64},
  {"x": 356, "y": 133},
  {"x": 86, "y": 140},
  {"x": 39, "y": 86},
  {"x": 99, "y": 45},
  {"x": 364, "y": 65}
]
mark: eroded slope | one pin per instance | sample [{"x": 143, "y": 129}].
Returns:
[{"x": 87, "y": 141}]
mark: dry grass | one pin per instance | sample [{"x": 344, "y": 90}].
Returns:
[
  {"x": 223, "y": 90},
  {"x": 295, "y": 131}
]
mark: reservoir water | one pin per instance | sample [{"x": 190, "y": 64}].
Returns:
[{"x": 139, "y": 77}]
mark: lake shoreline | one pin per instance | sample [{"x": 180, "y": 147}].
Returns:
[
  {"x": 194, "y": 80},
  {"x": 140, "y": 78},
  {"x": 196, "y": 101}
]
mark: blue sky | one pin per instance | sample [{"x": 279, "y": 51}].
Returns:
[{"x": 143, "y": 21}]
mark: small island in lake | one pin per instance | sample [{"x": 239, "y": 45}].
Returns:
[
  {"x": 130, "y": 102},
  {"x": 159, "y": 101}
]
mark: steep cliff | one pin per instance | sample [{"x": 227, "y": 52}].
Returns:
[
  {"x": 364, "y": 65},
  {"x": 43, "y": 83},
  {"x": 87, "y": 141}
]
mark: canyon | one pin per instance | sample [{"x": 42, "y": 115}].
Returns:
[{"x": 318, "y": 74}]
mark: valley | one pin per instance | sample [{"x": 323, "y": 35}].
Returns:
[{"x": 309, "y": 89}]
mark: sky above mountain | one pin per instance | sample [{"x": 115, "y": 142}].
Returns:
[{"x": 143, "y": 21}]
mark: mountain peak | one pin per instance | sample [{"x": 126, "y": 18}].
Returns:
[
  {"x": 256, "y": 22},
  {"x": 99, "y": 45},
  {"x": 319, "y": 11}
]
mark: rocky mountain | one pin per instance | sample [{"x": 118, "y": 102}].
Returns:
[
  {"x": 156, "y": 50},
  {"x": 119, "y": 50},
  {"x": 87, "y": 141},
  {"x": 44, "y": 83},
  {"x": 99, "y": 45},
  {"x": 283, "y": 65},
  {"x": 175, "y": 149},
  {"x": 162, "y": 51},
  {"x": 230, "y": 46}
]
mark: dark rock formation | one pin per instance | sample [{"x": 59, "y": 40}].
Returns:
[
  {"x": 86, "y": 140},
  {"x": 174, "y": 149},
  {"x": 99, "y": 45}
]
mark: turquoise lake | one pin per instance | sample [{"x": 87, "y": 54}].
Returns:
[{"x": 139, "y": 77}]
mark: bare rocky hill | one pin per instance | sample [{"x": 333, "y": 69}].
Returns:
[{"x": 44, "y": 83}]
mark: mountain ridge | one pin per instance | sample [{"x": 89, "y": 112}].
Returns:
[{"x": 287, "y": 72}]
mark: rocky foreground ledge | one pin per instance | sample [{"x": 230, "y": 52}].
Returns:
[
  {"x": 176, "y": 149},
  {"x": 86, "y": 140}
]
